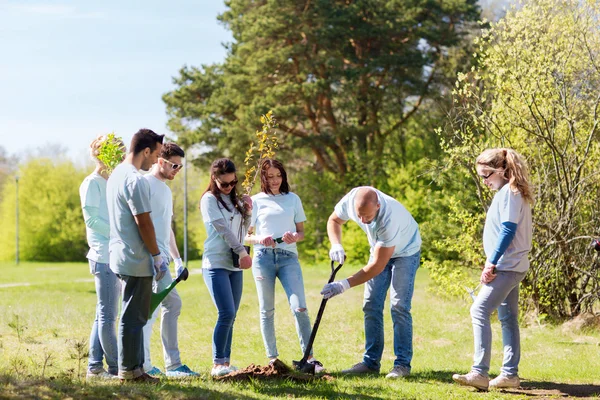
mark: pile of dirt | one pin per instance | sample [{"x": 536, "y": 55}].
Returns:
[{"x": 275, "y": 370}]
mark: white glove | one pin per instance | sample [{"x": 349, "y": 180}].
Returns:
[
  {"x": 335, "y": 288},
  {"x": 178, "y": 267},
  {"x": 337, "y": 254},
  {"x": 160, "y": 267}
]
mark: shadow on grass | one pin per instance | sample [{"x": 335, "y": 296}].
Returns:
[
  {"x": 536, "y": 388},
  {"x": 438, "y": 376}
]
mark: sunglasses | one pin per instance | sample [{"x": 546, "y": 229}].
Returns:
[
  {"x": 484, "y": 177},
  {"x": 225, "y": 185},
  {"x": 173, "y": 165}
]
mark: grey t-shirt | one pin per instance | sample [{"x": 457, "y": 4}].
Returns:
[{"x": 127, "y": 195}]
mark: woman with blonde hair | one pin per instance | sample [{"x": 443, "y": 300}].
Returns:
[{"x": 507, "y": 242}]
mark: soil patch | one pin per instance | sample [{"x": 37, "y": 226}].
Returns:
[{"x": 275, "y": 370}]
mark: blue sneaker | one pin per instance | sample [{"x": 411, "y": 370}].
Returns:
[
  {"x": 182, "y": 371},
  {"x": 154, "y": 371}
]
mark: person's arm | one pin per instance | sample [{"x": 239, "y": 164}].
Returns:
[
  {"x": 229, "y": 237},
  {"x": 93, "y": 220},
  {"x": 173, "y": 250},
  {"x": 146, "y": 228},
  {"x": 334, "y": 232},
  {"x": 293, "y": 237}
]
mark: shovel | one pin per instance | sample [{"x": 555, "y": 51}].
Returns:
[
  {"x": 158, "y": 297},
  {"x": 303, "y": 365}
]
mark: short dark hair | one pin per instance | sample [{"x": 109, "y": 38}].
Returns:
[
  {"x": 171, "y": 150},
  {"x": 264, "y": 183},
  {"x": 145, "y": 138}
]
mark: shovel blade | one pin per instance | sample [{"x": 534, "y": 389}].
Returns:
[{"x": 304, "y": 366}]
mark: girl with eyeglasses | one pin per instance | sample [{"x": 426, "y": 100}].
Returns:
[
  {"x": 507, "y": 242},
  {"x": 226, "y": 220},
  {"x": 277, "y": 225}
]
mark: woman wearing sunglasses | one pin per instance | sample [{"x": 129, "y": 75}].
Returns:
[
  {"x": 277, "y": 213},
  {"x": 507, "y": 242},
  {"x": 226, "y": 220}
]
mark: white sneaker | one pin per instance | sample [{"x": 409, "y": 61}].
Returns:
[
  {"x": 504, "y": 381},
  {"x": 474, "y": 379},
  {"x": 398, "y": 372},
  {"x": 232, "y": 368},
  {"x": 100, "y": 375},
  {"x": 219, "y": 370}
]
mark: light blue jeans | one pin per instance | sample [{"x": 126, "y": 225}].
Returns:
[
  {"x": 103, "y": 338},
  {"x": 225, "y": 288},
  {"x": 170, "y": 309},
  {"x": 503, "y": 294},
  {"x": 269, "y": 264},
  {"x": 399, "y": 273}
]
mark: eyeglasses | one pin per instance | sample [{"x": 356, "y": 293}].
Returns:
[
  {"x": 484, "y": 177},
  {"x": 173, "y": 165},
  {"x": 225, "y": 185}
]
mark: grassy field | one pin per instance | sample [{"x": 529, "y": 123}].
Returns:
[{"x": 46, "y": 311}]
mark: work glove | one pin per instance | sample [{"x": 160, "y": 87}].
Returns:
[
  {"x": 335, "y": 288},
  {"x": 160, "y": 267},
  {"x": 337, "y": 254},
  {"x": 178, "y": 267}
]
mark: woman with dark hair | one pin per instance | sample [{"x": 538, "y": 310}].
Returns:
[
  {"x": 277, "y": 213},
  {"x": 226, "y": 220}
]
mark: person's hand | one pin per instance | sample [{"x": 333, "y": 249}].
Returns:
[
  {"x": 267, "y": 241},
  {"x": 335, "y": 288},
  {"x": 337, "y": 253},
  {"x": 178, "y": 267},
  {"x": 160, "y": 267},
  {"x": 247, "y": 203},
  {"x": 489, "y": 273},
  {"x": 245, "y": 262},
  {"x": 290, "y": 237}
]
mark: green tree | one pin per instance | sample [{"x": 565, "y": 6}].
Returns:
[
  {"x": 536, "y": 88},
  {"x": 51, "y": 226}
]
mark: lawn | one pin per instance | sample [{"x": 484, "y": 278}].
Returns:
[{"x": 47, "y": 311}]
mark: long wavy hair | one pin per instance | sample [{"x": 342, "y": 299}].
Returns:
[
  {"x": 218, "y": 168},
  {"x": 513, "y": 167},
  {"x": 264, "y": 183}
]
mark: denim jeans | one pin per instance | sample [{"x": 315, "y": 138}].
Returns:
[
  {"x": 103, "y": 338},
  {"x": 135, "y": 310},
  {"x": 170, "y": 309},
  {"x": 399, "y": 273},
  {"x": 225, "y": 288},
  {"x": 503, "y": 294},
  {"x": 269, "y": 264}
]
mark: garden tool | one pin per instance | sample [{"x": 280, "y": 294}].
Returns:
[{"x": 158, "y": 297}]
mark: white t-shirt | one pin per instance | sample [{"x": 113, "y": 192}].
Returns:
[
  {"x": 509, "y": 207},
  {"x": 128, "y": 194},
  {"x": 393, "y": 225},
  {"x": 275, "y": 215},
  {"x": 92, "y": 193},
  {"x": 161, "y": 201},
  {"x": 217, "y": 253}
]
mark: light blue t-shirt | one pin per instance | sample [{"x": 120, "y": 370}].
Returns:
[
  {"x": 161, "y": 202},
  {"x": 275, "y": 215},
  {"x": 217, "y": 253},
  {"x": 128, "y": 194},
  {"x": 393, "y": 225},
  {"x": 509, "y": 207},
  {"x": 92, "y": 193}
]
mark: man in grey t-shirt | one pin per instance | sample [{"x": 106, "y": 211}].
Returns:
[{"x": 134, "y": 254}]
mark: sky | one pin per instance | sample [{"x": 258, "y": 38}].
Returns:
[{"x": 71, "y": 70}]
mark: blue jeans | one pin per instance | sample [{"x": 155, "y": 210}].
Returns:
[
  {"x": 399, "y": 273},
  {"x": 103, "y": 338},
  {"x": 135, "y": 311},
  {"x": 225, "y": 288},
  {"x": 269, "y": 264},
  {"x": 503, "y": 294}
]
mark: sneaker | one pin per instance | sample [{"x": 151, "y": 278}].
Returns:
[
  {"x": 219, "y": 370},
  {"x": 398, "y": 372},
  {"x": 182, "y": 371},
  {"x": 318, "y": 366},
  {"x": 232, "y": 368},
  {"x": 100, "y": 375},
  {"x": 504, "y": 381},
  {"x": 360, "y": 368},
  {"x": 144, "y": 378},
  {"x": 474, "y": 379},
  {"x": 154, "y": 371}
]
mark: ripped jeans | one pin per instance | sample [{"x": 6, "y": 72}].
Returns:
[{"x": 269, "y": 264}]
